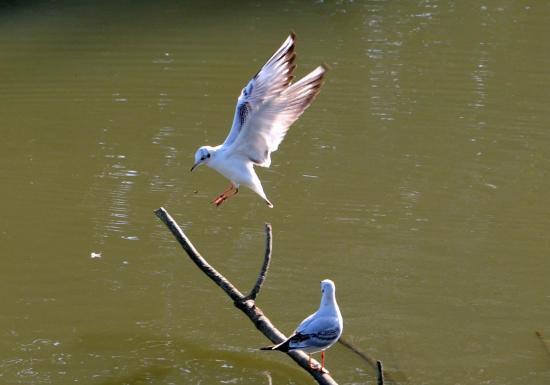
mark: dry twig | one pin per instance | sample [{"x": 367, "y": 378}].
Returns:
[
  {"x": 365, "y": 356},
  {"x": 370, "y": 360},
  {"x": 265, "y": 266},
  {"x": 380, "y": 372}
]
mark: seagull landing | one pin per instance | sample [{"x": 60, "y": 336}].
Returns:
[
  {"x": 319, "y": 331},
  {"x": 266, "y": 109}
]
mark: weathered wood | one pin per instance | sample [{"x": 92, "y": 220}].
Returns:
[
  {"x": 201, "y": 263},
  {"x": 370, "y": 360},
  {"x": 265, "y": 266},
  {"x": 246, "y": 304},
  {"x": 380, "y": 372},
  {"x": 365, "y": 356}
]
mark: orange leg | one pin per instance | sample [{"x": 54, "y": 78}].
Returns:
[
  {"x": 319, "y": 368},
  {"x": 231, "y": 187},
  {"x": 232, "y": 190}
]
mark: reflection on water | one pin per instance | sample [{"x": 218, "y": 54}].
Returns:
[
  {"x": 417, "y": 182},
  {"x": 117, "y": 181}
]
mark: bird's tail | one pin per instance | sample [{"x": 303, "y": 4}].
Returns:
[
  {"x": 283, "y": 346},
  {"x": 256, "y": 186}
]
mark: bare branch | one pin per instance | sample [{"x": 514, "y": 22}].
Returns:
[
  {"x": 365, "y": 356},
  {"x": 269, "y": 379},
  {"x": 267, "y": 259},
  {"x": 370, "y": 360},
  {"x": 202, "y": 264},
  {"x": 380, "y": 372},
  {"x": 246, "y": 305}
]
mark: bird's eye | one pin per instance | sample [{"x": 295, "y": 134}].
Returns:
[{"x": 208, "y": 156}]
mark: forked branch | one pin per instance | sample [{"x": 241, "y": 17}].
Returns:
[
  {"x": 246, "y": 304},
  {"x": 370, "y": 360},
  {"x": 265, "y": 266}
]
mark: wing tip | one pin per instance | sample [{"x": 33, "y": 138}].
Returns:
[
  {"x": 291, "y": 58},
  {"x": 315, "y": 78},
  {"x": 292, "y": 35}
]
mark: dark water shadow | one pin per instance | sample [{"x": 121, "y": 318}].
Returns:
[
  {"x": 178, "y": 354},
  {"x": 141, "y": 376}
]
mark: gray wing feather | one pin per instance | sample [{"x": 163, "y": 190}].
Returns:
[
  {"x": 267, "y": 125},
  {"x": 316, "y": 332},
  {"x": 269, "y": 82}
]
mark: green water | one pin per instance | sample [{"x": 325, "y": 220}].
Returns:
[{"x": 417, "y": 181}]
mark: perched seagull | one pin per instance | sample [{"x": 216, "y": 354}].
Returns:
[
  {"x": 266, "y": 109},
  {"x": 319, "y": 331}
]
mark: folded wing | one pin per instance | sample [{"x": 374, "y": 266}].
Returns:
[{"x": 319, "y": 332}]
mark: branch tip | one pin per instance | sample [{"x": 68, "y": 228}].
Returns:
[
  {"x": 380, "y": 372},
  {"x": 265, "y": 266}
]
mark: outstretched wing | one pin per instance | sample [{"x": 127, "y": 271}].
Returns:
[
  {"x": 269, "y": 82},
  {"x": 265, "y": 127}
]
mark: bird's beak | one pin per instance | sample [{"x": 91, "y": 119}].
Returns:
[{"x": 194, "y": 166}]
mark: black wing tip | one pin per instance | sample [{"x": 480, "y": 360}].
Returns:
[
  {"x": 283, "y": 346},
  {"x": 326, "y": 67},
  {"x": 291, "y": 57},
  {"x": 288, "y": 55},
  {"x": 292, "y": 34}
]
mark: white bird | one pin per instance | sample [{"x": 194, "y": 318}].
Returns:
[
  {"x": 320, "y": 330},
  {"x": 266, "y": 109}
]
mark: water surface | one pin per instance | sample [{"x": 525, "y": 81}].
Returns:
[{"x": 417, "y": 181}]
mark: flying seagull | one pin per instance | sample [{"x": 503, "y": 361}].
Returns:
[
  {"x": 266, "y": 109},
  {"x": 320, "y": 330}
]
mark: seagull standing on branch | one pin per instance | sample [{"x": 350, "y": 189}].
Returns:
[
  {"x": 266, "y": 109},
  {"x": 319, "y": 331}
]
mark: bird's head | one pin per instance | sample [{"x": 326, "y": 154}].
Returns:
[
  {"x": 327, "y": 287},
  {"x": 203, "y": 155}
]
